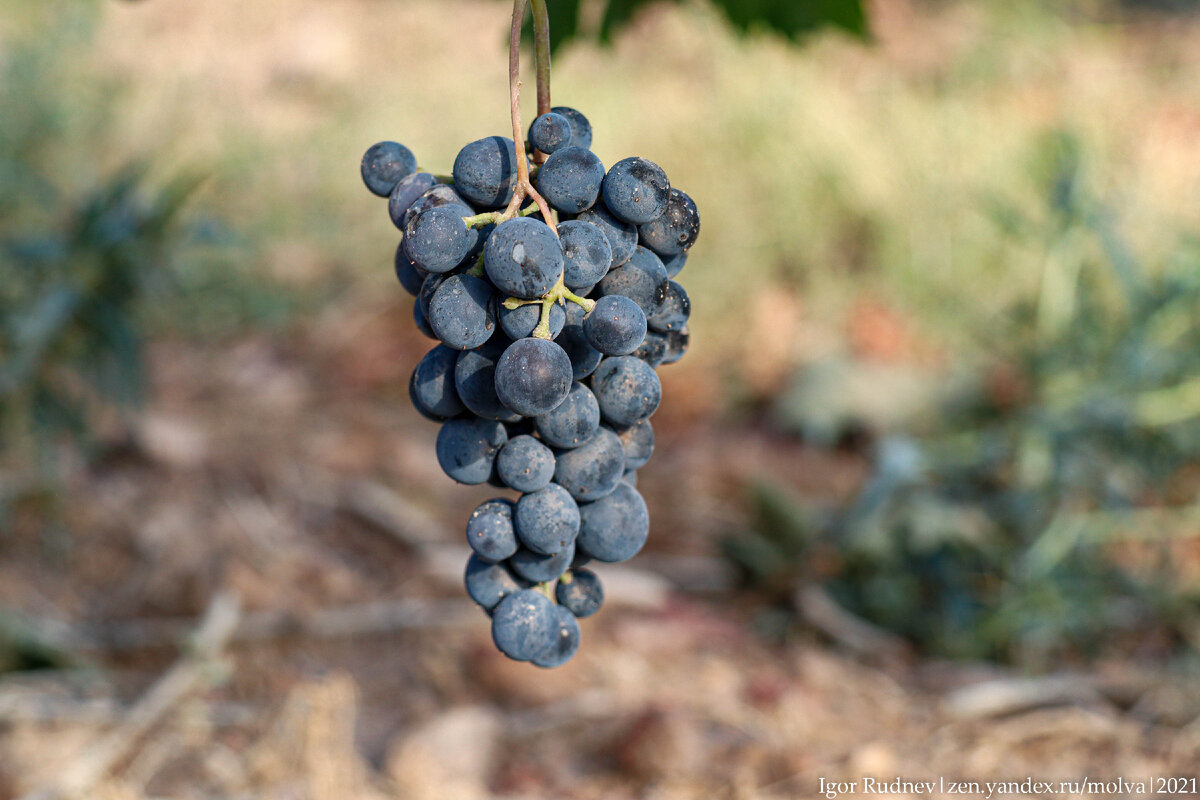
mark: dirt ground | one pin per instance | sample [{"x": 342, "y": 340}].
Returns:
[{"x": 278, "y": 512}]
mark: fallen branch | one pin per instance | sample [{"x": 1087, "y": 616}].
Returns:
[
  {"x": 385, "y": 510},
  {"x": 192, "y": 671},
  {"x": 853, "y": 633},
  {"x": 323, "y": 623},
  {"x": 1006, "y": 696}
]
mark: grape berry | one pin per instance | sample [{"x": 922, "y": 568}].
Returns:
[{"x": 544, "y": 377}]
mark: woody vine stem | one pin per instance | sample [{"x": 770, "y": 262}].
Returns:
[
  {"x": 541, "y": 47},
  {"x": 523, "y": 186}
]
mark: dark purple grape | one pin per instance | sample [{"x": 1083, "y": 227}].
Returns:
[
  {"x": 643, "y": 279},
  {"x": 622, "y": 236},
  {"x": 490, "y": 530},
  {"x": 432, "y": 384},
  {"x": 675, "y": 230},
  {"x": 462, "y": 312},
  {"x": 675, "y": 263},
  {"x": 593, "y": 469},
  {"x": 566, "y": 641},
  {"x": 674, "y": 312},
  {"x": 627, "y": 389},
  {"x": 615, "y": 527},
  {"x": 550, "y": 132},
  {"x": 525, "y": 464},
  {"x": 437, "y": 195},
  {"x": 653, "y": 348},
  {"x": 637, "y": 444},
  {"x": 437, "y": 239},
  {"x": 616, "y": 325},
  {"x": 475, "y": 381},
  {"x": 467, "y": 447},
  {"x": 587, "y": 255},
  {"x": 581, "y": 129},
  {"x": 539, "y": 568},
  {"x": 636, "y": 190},
  {"x": 407, "y": 191},
  {"x": 525, "y": 625},
  {"x": 584, "y": 358},
  {"x": 488, "y": 583},
  {"x": 521, "y": 321},
  {"x": 409, "y": 274},
  {"x": 581, "y": 592},
  {"x": 384, "y": 164},
  {"x": 420, "y": 321},
  {"x": 523, "y": 258},
  {"x": 485, "y": 170},
  {"x": 572, "y": 421},
  {"x": 677, "y": 344},
  {"x": 570, "y": 179},
  {"x": 533, "y": 376},
  {"x": 547, "y": 521}
]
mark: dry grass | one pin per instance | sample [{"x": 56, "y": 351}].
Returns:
[
  {"x": 842, "y": 170},
  {"x": 234, "y": 482}
]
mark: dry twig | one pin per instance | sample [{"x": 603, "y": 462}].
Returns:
[{"x": 192, "y": 671}]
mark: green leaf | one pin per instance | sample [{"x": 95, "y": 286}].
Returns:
[
  {"x": 794, "y": 19},
  {"x": 564, "y": 23},
  {"x": 755, "y": 555},
  {"x": 33, "y": 334},
  {"x": 781, "y": 519}
]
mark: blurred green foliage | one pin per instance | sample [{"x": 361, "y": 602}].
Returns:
[
  {"x": 792, "y": 19},
  {"x": 80, "y": 255},
  {"x": 93, "y": 250},
  {"x": 70, "y": 331},
  {"x": 1050, "y": 514}
]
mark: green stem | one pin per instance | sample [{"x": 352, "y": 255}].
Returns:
[
  {"x": 496, "y": 217},
  {"x": 546, "y": 588},
  {"x": 476, "y": 269},
  {"x": 542, "y": 331},
  {"x": 583, "y": 302},
  {"x": 559, "y": 293},
  {"x": 480, "y": 220},
  {"x": 514, "y": 303}
]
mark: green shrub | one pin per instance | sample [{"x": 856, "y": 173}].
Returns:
[{"x": 1045, "y": 524}]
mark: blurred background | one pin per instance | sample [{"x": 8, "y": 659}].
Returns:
[{"x": 924, "y": 496}]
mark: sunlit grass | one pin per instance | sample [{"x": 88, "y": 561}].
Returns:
[{"x": 839, "y": 169}]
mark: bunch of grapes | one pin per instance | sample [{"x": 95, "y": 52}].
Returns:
[{"x": 552, "y": 319}]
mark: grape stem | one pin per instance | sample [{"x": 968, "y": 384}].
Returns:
[
  {"x": 541, "y": 52},
  {"x": 524, "y": 187},
  {"x": 476, "y": 269},
  {"x": 496, "y": 217},
  {"x": 559, "y": 293}
]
